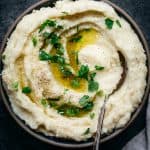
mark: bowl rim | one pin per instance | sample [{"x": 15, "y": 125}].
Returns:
[{"x": 90, "y": 143}]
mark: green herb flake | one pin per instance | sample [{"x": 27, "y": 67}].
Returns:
[
  {"x": 34, "y": 41},
  {"x": 58, "y": 59},
  {"x": 50, "y": 23},
  {"x": 83, "y": 72},
  {"x": 109, "y": 23},
  {"x": 118, "y": 23},
  {"x": 44, "y": 102},
  {"x": 61, "y": 111},
  {"x": 75, "y": 83},
  {"x": 72, "y": 111},
  {"x": 99, "y": 67},
  {"x": 84, "y": 100},
  {"x": 92, "y": 75},
  {"x": 76, "y": 38},
  {"x": 59, "y": 27},
  {"x": 44, "y": 56},
  {"x": 65, "y": 71},
  {"x": 87, "y": 131},
  {"x": 15, "y": 86},
  {"x": 92, "y": 115},
  {"x": 53, "y": 104},
  {"x": 59, "y": 48},
  {"x": 26, "y": 90},
  {"x": 54, "y": 38},
  {"x": 92, "y": 86},
  {"x": 68, "y": 110},
  {"x": 88, "y": 106}
]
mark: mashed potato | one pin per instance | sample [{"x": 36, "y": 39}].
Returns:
[{"x": 61, "y": 62}]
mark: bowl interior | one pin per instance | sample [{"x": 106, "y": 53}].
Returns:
[{"x": 64, "y": 142}]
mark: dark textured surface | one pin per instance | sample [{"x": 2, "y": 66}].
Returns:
[{"x": 12, "y": 137}]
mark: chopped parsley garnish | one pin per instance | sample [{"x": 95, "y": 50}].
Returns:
[
  {"x": 72, "y": 111},
  {"x": 83, "y": 72},
  {"x": 44, "y": 56},
  {"x": 87, "y": 131},
  {"x": 92, "y": 86},
  {"x": 54, "y": 59},
  {"x": 54, "y": 38},
  {"x": 58, "y": 59},
  {"x": 109, "y": 23},
  {"x": 84, "y": 100},
  {"x": 59, "y": 27},
  {"x": 89, "y": 105},
  {"x": 92, "y": 115},
  {"x": 65, "y": 71},
  {"x": 92, "y": 75},
  {"x": 68, "y": 110},
  {"x": 76, "y": 38},
  {"x": 118, "y": 23},
  {"x": 61, "y": 111},
  {"x": 75, "y": 83},
  {"x": 50, "y": 23},
  {"x": 59, "y": 47},
  {"x": 52, "y": 104},
  {"x": 44, "y": 102},
  {"x": 99, "y": 67},
  {"x": 26, "y": 90},
  {"x": 15, "y": 86},
  {"x": 34, "y": 41}
]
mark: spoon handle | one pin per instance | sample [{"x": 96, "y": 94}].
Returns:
[{"x": 96, "y": 145}]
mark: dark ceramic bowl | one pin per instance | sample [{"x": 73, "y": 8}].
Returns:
[{"x": 64, "y": 142}]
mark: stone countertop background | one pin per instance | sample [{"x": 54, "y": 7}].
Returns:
[{"x": 12, "y": 137}]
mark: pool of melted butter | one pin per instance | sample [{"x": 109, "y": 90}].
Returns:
[{"x": 88, "y": 37}]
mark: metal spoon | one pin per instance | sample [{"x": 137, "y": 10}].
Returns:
[{"x": 97, "y": 141}]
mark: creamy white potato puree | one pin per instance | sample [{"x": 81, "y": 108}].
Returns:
[{"x": 61, "y": 62}]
